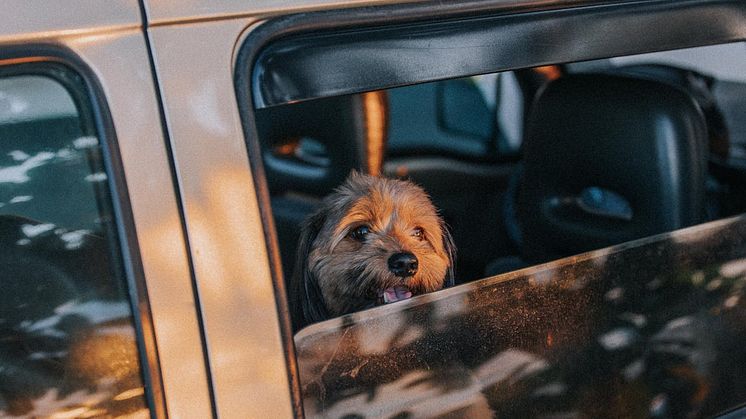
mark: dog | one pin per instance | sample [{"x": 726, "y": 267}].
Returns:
[{"x": 373, "y": 241}]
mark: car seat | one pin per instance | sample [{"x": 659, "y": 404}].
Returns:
[{"x": 607, "y": 159}]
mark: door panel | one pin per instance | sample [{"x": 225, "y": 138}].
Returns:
[{"x": 223, "y": 221}]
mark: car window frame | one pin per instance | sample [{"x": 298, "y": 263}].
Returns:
[
  {"x": 290, "y": 30},
  {"x": 66, "y": 68}
]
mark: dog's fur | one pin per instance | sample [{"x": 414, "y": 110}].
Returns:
[{"x": 338, "y": 272}]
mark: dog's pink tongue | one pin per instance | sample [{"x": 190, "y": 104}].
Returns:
[{"x": 397, "y": 293}]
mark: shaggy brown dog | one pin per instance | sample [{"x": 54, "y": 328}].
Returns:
[{"x": 373, "y": 241}]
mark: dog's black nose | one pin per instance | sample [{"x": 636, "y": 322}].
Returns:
[{"x": 403, "y": 264}]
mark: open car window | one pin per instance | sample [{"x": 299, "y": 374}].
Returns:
[
  {"x": 651, "y": 328},
  {"x": 536, "y": 157}
]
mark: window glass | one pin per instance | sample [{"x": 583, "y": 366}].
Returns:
[
  {"x": 653, "y": 328},
  {"x": 67, "y": 338}
]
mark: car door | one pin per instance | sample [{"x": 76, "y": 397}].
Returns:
[{"x": 98, "y": 315}]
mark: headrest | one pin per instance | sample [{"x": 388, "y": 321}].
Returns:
[
  {"x": 311, "y": 147},
  {"x": 609, "y": 159}
]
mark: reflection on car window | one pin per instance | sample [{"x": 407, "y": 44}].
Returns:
[
  {"x": 67, "y": 339},
  {"x": 653, "y": 328}
]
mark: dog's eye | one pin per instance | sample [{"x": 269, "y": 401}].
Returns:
[
  {"x": 418, "y": 233},
  {"x": 359, "y": 233}
]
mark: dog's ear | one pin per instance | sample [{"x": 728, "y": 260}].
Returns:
[
  {"x": 450, "y": 249},
  {"x": 306, "y": 301}
]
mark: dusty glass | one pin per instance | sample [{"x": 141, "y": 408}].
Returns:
[
  {"x": 652, "y": 328},
  {"x": 67, "y": 338}
]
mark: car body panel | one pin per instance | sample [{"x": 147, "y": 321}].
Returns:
[
  {"x": 131, "y": 95},
  {"x": 165, "y": 12},
  {"x": 35, "y": 19},
  {"x": 202, "y": 220},
  {"x": 223, "y": 222},
  {"x": 107, "y": 39}
]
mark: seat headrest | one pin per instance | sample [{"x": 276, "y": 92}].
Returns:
[
  {"x": 311, "y": 147},
  {"x": 609, "y": 159}
]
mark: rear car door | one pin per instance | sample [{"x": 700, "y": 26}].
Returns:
[{"x": 97, "y": 314}]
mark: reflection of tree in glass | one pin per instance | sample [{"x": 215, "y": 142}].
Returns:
[
  {"x": 648, "y": 329},
  {"x": 66, "y": 338}
]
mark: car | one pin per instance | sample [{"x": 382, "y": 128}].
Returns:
[{"x": 157, "y": 161}]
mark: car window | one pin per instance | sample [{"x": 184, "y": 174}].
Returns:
[
  {"x": 67, "y": 336},
  {"x": 652, "y": 328},
  {"x": 530, "y": 168}
]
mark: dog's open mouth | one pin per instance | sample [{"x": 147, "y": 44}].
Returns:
[{"x": 393, "y": 294}]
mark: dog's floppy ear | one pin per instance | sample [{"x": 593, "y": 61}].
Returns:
[
  {"x": 450, "y": 249},
  {"x": 306, "y": 301}
]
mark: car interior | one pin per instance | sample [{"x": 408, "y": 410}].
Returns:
[
  {"x": 526, "y": 167},
  {"x": 530, "y": 165}
]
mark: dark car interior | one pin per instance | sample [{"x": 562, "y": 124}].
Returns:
[{"x": 602, "y": 156}]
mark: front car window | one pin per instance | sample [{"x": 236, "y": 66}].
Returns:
[{"x": 67, "y": 337}]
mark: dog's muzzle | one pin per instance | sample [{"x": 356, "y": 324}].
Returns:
[{"x": 403, "y": 264}]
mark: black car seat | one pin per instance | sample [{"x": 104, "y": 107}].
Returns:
[
  {"x": 700, "y": 87},
  {"x": 607, "y": 159},
  {"x": 309, "y": 148}
]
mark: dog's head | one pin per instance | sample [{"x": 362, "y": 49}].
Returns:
[{"x": 373, "y": 241}]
